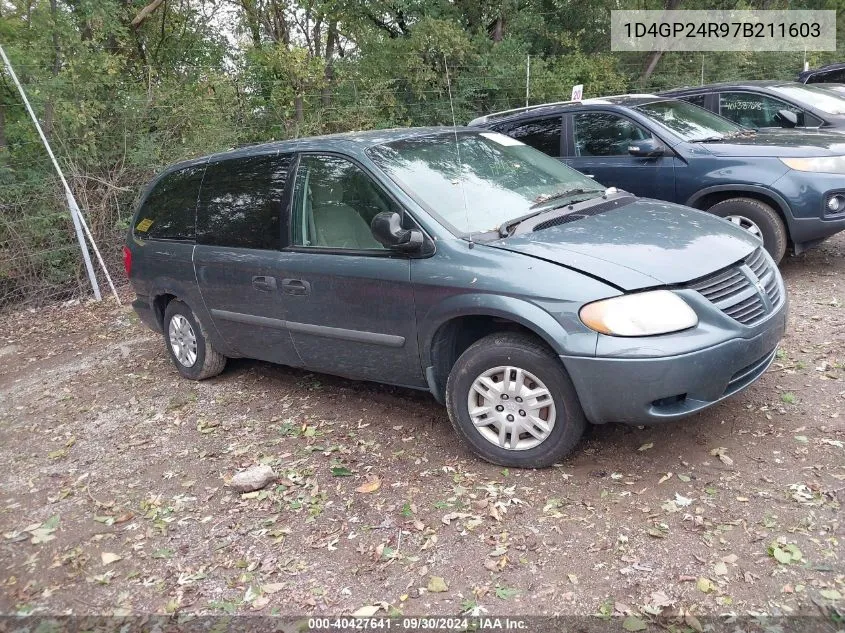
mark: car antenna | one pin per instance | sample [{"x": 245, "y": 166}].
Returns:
[{"x": 458, "y": 150}]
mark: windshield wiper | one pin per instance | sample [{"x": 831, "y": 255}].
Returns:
[
  {"x": 716, "y": 138},
  {"x": 543, "y": 199},
  {"x": 506, "y": 228},
  {"x": 708, "y": 139}
]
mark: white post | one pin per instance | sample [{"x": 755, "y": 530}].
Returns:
[
  {"x": 527, "y": 77},
  {"x": 75, "y": 214}
]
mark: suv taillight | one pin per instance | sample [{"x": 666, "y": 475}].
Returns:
[{"x": 127, "y": 260}]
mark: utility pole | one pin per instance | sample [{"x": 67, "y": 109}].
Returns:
[{"x": 527, "y": 77}]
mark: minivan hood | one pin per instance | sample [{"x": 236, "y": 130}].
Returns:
[
  {"x": 644, "y": 244},
  {"x": 781, "y": 144}
]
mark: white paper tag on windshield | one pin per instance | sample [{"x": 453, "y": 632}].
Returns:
[{"x": 501, "y": 139}]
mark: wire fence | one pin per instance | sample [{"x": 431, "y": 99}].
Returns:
[{"x": 108, "y": 160}]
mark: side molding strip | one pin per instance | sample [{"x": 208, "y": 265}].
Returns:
[
  {"x": 388, "y": 340},
  {"x": 358, "y": 336}
]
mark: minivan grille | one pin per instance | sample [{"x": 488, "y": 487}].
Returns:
[{"x": 746, "y": 292}]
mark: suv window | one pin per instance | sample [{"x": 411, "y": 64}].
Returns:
[
  {"x": 541, "y": 134},
  {"x": 602, "y": 134},
  {"x": 695, "y": 99},
  {"x": 832, "y": 76},
  {"x": 169, "y": 211},
  {"x": 755, "y": 110},
  {"x": 240, "y": 202},
  {"x": 334, "y": 204}
]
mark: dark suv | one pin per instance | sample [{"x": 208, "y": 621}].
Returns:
[
  {"x": 770, "y": 104},
  {"x": 781, "y": 186},
  {"x": 831, "y": 73},
  {"x": 517, "y": 291}
]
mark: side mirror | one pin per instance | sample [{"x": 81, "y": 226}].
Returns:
[
  {"x": 647, "y": 147},
  {"x": 786, "y": 118},
  {"x": 388, "y": 231}
]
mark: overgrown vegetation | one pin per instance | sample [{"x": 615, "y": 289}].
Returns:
[{"x": 123, "y": 87}]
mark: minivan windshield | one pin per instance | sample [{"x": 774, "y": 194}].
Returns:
[
  {"x": 691, "y": 123},
  {"x": 497, "y": 178},
  {"x": 821, "y": 98}
]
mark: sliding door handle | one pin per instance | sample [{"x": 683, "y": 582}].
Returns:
[{"x": 296, "y": 287}]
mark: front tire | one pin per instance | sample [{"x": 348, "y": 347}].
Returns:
[
  {"x": 187, "y": 343},
  {"x": 511, "y": 402},
  {"x": 759, "y": 219}
]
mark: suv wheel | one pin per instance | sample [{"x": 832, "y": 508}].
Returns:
[
  {"x": 189, "y": 348},
  {"x": 757, "y": 218},
  {"x": 510, "y": 400}
]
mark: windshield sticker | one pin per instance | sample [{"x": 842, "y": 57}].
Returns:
[
  {"x": 144, "y": 225},
  {"x": 501, "y": 139}
]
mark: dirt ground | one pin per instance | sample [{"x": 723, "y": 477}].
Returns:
[{"x": 114, "y": 496}]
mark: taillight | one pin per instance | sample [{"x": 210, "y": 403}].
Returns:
[{"x": 127, "y": 260}]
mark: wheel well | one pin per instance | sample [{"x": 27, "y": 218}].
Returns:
[
  {"x": 708, "y": 200},
  {"x": 160, "y": 305},
  {"x": 454, "y": 337}
]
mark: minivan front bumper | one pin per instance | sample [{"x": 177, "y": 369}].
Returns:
[{"x": 659, "y": 389}]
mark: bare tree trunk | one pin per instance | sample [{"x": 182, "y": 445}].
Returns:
[
  {"x": 651, "y": 63},
  {"x": 57, "y": 61},
  {"x": 144, "y": 13},
  {"x": 653, "y": 57},
  {"x": 299, "y": 105},
  {"x": 253, "y": 20},
  {"x": 3, "y": 142},
  {"x": 331, "y": 43},
  {"x": 499, "y": 29}
]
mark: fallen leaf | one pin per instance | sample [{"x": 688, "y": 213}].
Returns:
[
  {"x": 108, "y": 558},
  {"x": 273, "y": 587},
  {"x": 633, "y": 623},
  {"x": 646, "y": 446},
  {"x": 369, "y": 486},
  {"x": 436, "y": 584},
  {"x": 704, "y": 585},
  {"x": 831, "y": 594},
  {"x": 367, "y": 611},
  {"x": 720, "y": 569}
]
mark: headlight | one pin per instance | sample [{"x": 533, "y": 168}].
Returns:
[
  {"x": 823, "y": 164},
  {"x": 640, "y": 314}
]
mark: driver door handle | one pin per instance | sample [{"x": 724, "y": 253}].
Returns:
[
  {"x": 296, "y": 287},
  {"x": 266, "y": 284}
]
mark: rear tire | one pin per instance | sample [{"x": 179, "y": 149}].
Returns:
[
  {"x": 763, "y": 218},
  {"x": 188, "y": 345},
  {"x": 539, "y": 430}
]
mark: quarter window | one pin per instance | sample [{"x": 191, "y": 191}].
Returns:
[
  {"x": 169, "y": 211},
  {"x": 541, "y": 134},
  {"x": 241, "y": 202},
  {"x": 334, "y": 204},
  {"x": 755, "y": 110},
  {"x": 602, "y": 134}
]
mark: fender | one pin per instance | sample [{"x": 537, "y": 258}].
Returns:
[
  {"x": 781, "y": 203},
  {"x": 190, "y": 294},
  {"x": 529, "y": 315}
]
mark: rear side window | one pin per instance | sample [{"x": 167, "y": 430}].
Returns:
[
  {"x": 169, "y": 211},
  {"x": 541, "y": 134},
  {"x": 241, "y": 202}
]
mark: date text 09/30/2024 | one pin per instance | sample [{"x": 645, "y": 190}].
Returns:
[{"x": 481, "y": 623}]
